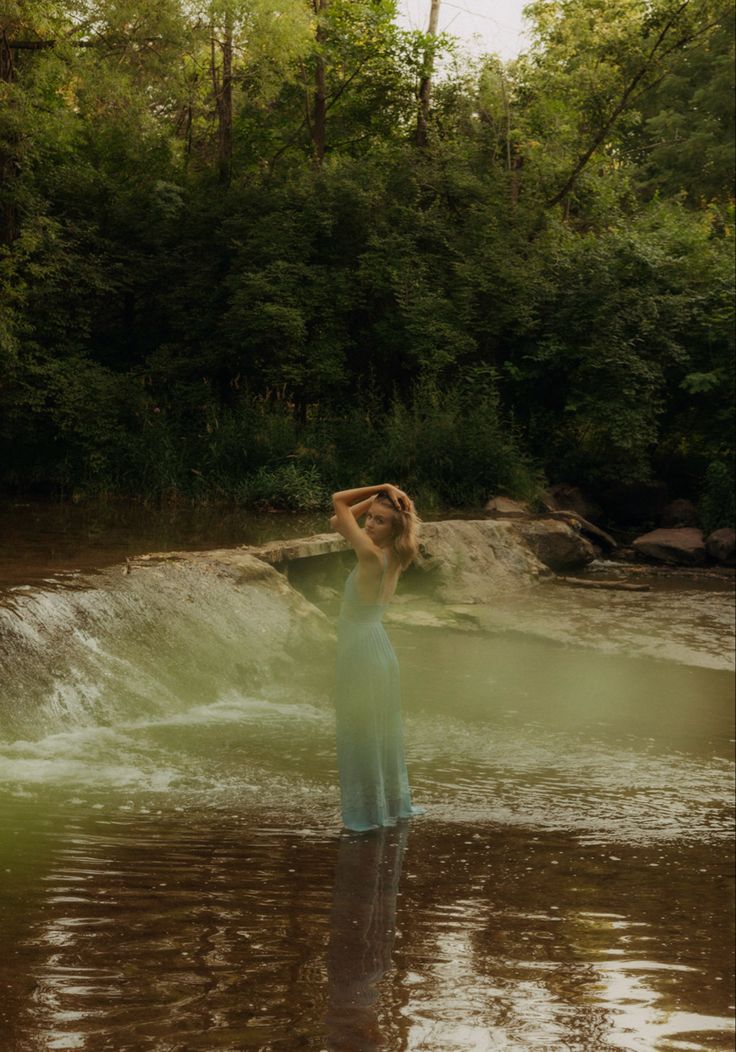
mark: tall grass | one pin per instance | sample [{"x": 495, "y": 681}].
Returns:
[{"x": 447, "y": 446}]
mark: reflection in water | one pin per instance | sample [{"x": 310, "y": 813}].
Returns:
[{"x": 362, "y": 931}]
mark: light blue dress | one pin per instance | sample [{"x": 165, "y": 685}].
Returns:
[{"x": 374, "y": 786}]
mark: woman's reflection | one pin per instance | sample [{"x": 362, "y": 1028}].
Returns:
[{"x": 362, "y": 930}]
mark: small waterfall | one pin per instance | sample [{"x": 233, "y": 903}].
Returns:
[{"x": 173, "y": 633}]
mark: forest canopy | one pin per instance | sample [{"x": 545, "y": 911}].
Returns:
[{"x": 257, "y": 249}]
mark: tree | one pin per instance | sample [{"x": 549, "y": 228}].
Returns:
[{"x": 600, "y": 60}]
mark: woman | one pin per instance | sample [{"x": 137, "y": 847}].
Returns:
[{"x": 374, "y": 786}]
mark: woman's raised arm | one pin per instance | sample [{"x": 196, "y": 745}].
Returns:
[{"x": 357, "y": 509}]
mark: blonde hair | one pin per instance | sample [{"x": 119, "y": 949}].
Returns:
[{"x": 404, "y": 540}]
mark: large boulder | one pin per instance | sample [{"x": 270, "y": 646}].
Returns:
[
  {"x": 473, "y": 561},
  {"x": 679, "y": 512},
  {"x": 680, "y": 546},
  {"x": 721, "y": 545},
  {"x": 152, "y": 637},
  {"x": 557, "y": 544}
]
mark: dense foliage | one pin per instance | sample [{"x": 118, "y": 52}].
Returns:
[{"x": 230, "y": 268}]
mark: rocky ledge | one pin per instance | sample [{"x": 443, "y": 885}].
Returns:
[{"x": 459, "y": 561}]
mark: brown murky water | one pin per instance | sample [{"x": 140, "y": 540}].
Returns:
[
  {"x": 40, "y": 539},
  {"x": 174, "y": 877},
  {"x": 152, "y": 930}
]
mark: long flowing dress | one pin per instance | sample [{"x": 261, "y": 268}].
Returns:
[{"x": 374, "y": 785}]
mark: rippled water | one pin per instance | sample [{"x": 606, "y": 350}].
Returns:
[
  {"x": 174, "y": 876},
  {"x": 138, "y": 927}
]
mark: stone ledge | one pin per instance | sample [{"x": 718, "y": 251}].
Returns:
[{"x": 275, "y": 552}]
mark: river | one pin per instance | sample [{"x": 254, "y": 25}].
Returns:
[{"x": 174, "y": 875}]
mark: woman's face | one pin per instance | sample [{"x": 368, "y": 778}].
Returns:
[{"x": 379, "y": 520}]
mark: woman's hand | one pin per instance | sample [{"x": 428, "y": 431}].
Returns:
[{"x": 398, "y": 497}]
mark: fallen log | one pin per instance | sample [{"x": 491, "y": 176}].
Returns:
[{"x": 618, "y": 586}]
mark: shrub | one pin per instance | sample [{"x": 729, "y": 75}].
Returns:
[
  {"x": 717, "y": 499},
  {"x": 453, "y": 442},
  {"x": 293, "y": 487}
]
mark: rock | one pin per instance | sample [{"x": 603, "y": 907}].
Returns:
[
  {"x": 193, "y": 625},
  {"x": 279, "y": 552},
  {"x": 721, "y": 545},
  {"x": 473, "y": 561},
  {"x": 556, "y": 544},
  {"x": 505, "y": 508},
  {"x": 324, "y": 594},
  {"x": 428, "y": 613},
  {"x": 565, "y": 497},
  {"x": 681, "y": 545},
  {"x": 679, "y": 513},
  {"x": 635, "y": 502}
]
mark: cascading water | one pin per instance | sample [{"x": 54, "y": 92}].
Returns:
[
  {"x": 90, "y": 650},
  {"x": 92, "y": 665}
]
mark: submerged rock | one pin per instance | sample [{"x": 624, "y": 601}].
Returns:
[
  {"x": 421, "y": 612},
  {"x": 679, "y": 545}
]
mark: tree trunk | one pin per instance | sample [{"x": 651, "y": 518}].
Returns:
[
  {"x": 517, "y": 163},
  {"x": 319, "y": 112},
  {"x": 9, "y": 164},
  {"x": 425, "y": 86},
  {"x": 223, "y": 91}
]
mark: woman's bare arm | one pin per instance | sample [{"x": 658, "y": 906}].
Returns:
[
  {"x": 396, "y": 496},
  {"x": 346, "y": 524},
  {"x": 357, "y": 510}
]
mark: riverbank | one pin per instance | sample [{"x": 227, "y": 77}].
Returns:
[{"x": 39, "y": 538}]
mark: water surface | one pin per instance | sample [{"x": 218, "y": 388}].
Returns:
[{"x": 174, "y": 875}]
